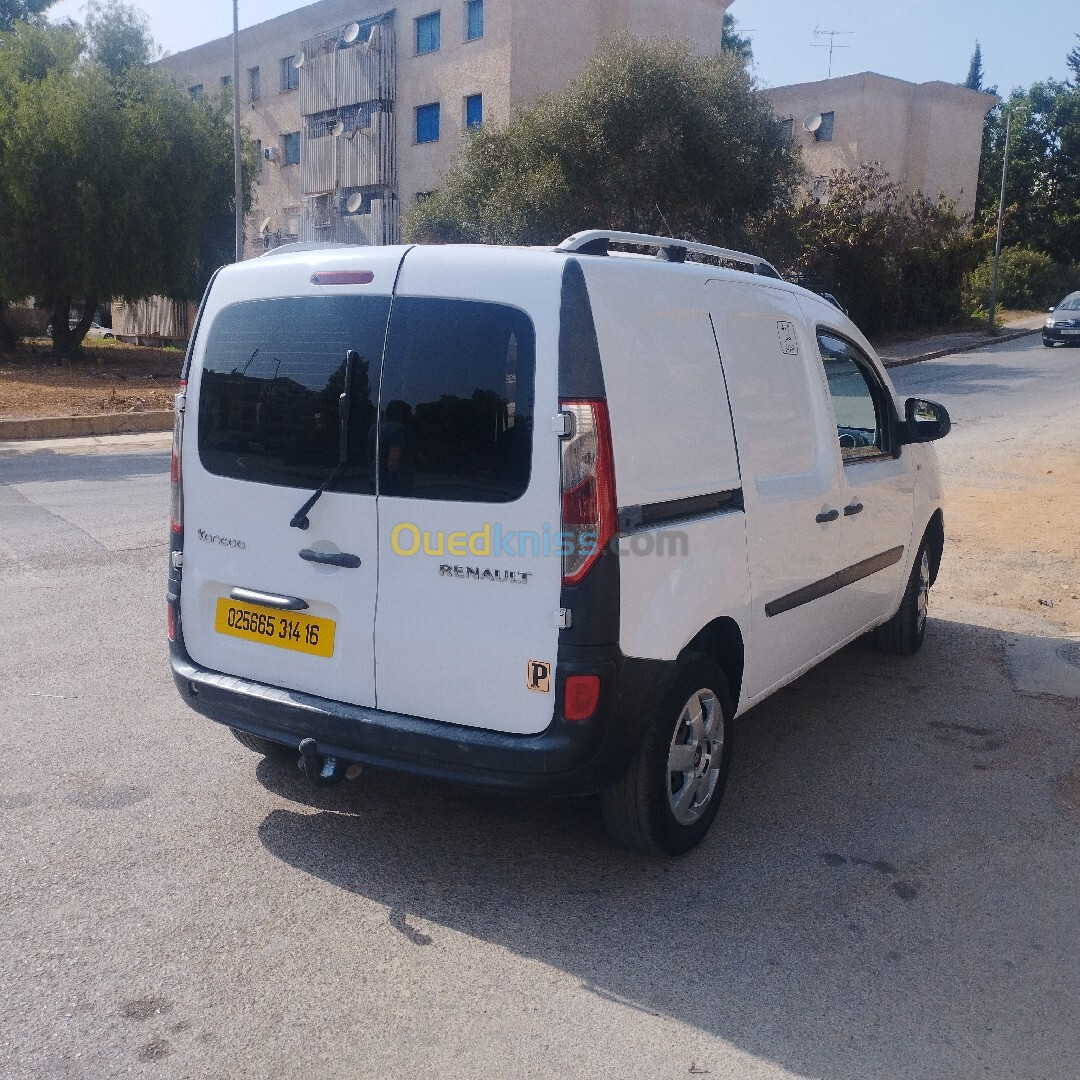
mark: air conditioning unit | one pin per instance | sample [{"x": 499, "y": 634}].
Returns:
[{"x": 270, "y": 153}]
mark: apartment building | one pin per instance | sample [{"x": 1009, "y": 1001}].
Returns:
[
  {"x": 928, "y": 136},
  {"x": 357, "y": 109}
]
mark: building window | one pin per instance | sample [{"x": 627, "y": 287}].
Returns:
[
  {"x": 427, "y": 123},
  {"x": 474, "y": 111},
  {"x": 428, "y": 33},
  {"x": 226, "y": 81},
  {"x": 474, "y": 19},
  {"x": 423, "y": 196},
  {"x": 195, "y": 91},
  {"x": 824, "y": 131},
  {"x": 290, "y": 74},
  {"x": 254, "y": 84},
  {"x": 290, "y": 148},
  {"x": 787, "y": 127}
]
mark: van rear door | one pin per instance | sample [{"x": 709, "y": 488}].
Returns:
[
  {"x": 263, "y": 599},
  {"x": 469, "y": 503}
]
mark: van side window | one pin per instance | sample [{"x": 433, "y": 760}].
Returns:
[
  {"x": 272, "y": 375},
  {"x": 858, "y": 399},
  {"x": 457, "y": 401}
]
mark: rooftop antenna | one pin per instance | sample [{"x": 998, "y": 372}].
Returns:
[{"x": 832, "y": 35}]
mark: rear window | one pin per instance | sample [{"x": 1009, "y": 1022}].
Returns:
[
  {"x": 457, "y": 401},
  {"x": 273, "y": 372},
  {"x": 455, "y": 405}
]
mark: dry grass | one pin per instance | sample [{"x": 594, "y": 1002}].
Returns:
[{"x": 109, "y": 377}]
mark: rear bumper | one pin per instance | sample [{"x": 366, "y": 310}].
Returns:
[{"x": 566, "y": 759}]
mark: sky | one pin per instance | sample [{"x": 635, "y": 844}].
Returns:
[{"x": 918, "y": 40}]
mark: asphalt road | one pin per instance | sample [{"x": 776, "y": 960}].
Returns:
[{"x": 890, "y": 890}]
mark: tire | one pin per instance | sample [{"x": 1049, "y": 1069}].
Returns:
[
  {"x": 268, "y": 749},
  {"x": 905, "y": 632},
  {"x": 654, "y": 808}
]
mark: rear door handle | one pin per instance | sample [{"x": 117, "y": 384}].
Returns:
[
  {"x": 331, "y": 558},
  {"x": 852, "y": 509},
  {"x": 829, "y": 515}
]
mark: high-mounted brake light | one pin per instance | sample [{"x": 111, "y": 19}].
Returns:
[
  {"x": 589, "y": 507},
  {"x": 342, "y": 277},
  {"x": 175, "y": 472}
]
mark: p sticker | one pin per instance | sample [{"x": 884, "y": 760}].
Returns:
[
  {"x": 539, "y": 676},
  {"x": 789, "y": 343}
]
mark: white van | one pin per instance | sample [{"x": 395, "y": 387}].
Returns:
[{"x": 538, "y": 519}]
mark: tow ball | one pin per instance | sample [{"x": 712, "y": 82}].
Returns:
[{"x": 321, "y": 769}]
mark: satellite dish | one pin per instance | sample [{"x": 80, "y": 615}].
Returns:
[
  {"x": 338, "y": 129},
  {"x": 352, "y": 32},
  {"x": 355, "y": 202},
  {"x": 812, "y": 122},
  {"x": 298, "y": 60},
  {"x": 265, "y": 225}
]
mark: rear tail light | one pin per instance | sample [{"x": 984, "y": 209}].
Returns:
[
  {"x": 175, "y": 473},
  {"x": 589, "y": 508},
  {"x": 581, "y": 696}
]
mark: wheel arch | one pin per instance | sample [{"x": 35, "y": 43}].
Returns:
[
  {"x": 722, "y": 641},
  {"x": 934, "y": 538}
]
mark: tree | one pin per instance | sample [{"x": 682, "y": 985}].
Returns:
[
  {"x": 119, "y": 36},
  {"x": 1072, "y": 59},
  {"x": 649, "y": 137},
  {"x": 732, "y": 41},
  {"x": 1042, "y": 193},
  {"x": 974, "y": 80},
  {"x": 895, "y": 260},
  {"x": 27, "y": 11},
  {"x": 113, "y": 182}
]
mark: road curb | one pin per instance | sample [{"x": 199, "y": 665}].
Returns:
[
  {"x": 1008, "y": 335},
  {"x": 61, "y": 427}
]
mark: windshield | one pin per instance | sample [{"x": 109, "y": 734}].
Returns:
[{"x": 1070, "y": 303}]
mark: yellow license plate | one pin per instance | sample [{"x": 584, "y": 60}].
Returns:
[{"x": 283, "y": 629}]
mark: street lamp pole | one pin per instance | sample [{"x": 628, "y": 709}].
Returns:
[
  {"x": 991, "y": 325},
  {"x": 238, "y": 179}
]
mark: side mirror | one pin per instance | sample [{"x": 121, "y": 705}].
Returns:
[{"x": 925, "y": 421}]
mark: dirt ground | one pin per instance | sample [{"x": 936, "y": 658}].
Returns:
[{"x": 110, "y": 377}]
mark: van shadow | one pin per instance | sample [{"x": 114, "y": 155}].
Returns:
[{"x": 830, "y": 921}]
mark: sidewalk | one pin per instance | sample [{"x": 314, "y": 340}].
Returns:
[{"x": 898, "y": 353}]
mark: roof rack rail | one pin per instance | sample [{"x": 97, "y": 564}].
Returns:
[{"x": 596, "y": 241}]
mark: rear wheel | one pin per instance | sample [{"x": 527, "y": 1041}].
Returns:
[
  {"x": 668, "y": 797},
  {"x": 268, "y": 749},
  {"x": 903, "y": 634}
]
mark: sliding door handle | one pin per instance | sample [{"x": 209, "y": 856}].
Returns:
[{"x": 827, "y": 516}]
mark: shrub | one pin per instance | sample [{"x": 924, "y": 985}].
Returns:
[{"x": 1027, "y": 280}]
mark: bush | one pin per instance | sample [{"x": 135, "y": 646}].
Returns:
[
  {"x": 1027, "y": 280},
  {"x": 896, "y": 261}
]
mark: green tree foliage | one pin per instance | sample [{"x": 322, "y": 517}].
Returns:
[
  {"x": 732, "y": 41},
  {"x": 113, "y": 182},
  {"x": 974, "y": 80},
  {"x": 1027, "y": 280},
  {"x": 649, "y": 137},
  {"x": 1042, "y": 192},
  {"x": 895, "y": 260},
  {"x": 28, "y": 11},
  {"x": 1072, "y": 60}
]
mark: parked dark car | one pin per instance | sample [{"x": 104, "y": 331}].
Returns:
[{"x": 1063, "y": 322}]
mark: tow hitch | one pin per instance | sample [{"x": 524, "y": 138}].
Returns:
[{"x": 322, "y": 770}]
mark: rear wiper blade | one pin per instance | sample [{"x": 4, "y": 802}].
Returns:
[{"x": 300, "y": 518}]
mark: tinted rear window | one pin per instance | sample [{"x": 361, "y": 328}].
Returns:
[
  {"x": 457, "y": 401},
  {"x": 273, "y": 372}
]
